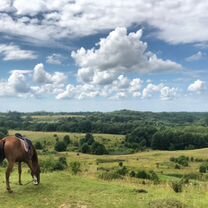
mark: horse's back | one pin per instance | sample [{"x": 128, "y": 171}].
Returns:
[{"x": 14, "y": 149}]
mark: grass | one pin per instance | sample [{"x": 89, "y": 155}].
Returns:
[{"x": 86, "y": 190}]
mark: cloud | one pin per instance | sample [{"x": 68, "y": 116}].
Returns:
[
  {"x": 14, "y": 52},
  {"x": 197, "y": 86},
  {"x": 172, "y": 21},
  {"x": 166, "y": 92},
  {"x": 29, "y": 83},
  {"x": 196, "y": 57},
  {"x": 118, "y": 53},
  {"x": 41, "y": 76},
  {"x": 55, "y": 59}
]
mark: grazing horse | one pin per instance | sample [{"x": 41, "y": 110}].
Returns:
[{"x": 13, "y": 149}]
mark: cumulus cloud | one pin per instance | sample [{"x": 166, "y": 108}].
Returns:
[
  {"x": 41, "y": 76},
  {"x": 14, "y": 52},
  {"x": 197, "y": 86},
  {"x": 36, "y": 82},
  {"x": 196, "y": 57},
  {"x": 55, "y": 58},
  {"x": 118, "y": 53},
  {"x": 166, "y": 92}
]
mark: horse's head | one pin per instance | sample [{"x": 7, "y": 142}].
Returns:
[{"x": 36, "y": 175}]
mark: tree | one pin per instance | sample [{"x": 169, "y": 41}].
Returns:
[
  {"x": 85, "y": 148},
  {"x": 98, "y": 149},
  {"x": 89, "y": 139},
  {"x": 60, "y": 146},
  {"x": 66, "y": 139}
]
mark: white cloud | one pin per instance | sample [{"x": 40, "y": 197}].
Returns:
[
  {"x": 196, "y": 57},
  {"x": 14, "y": 52},
  {"x": 55, "y": 58},
  {"x": 197, "y": 86},
  {"x": 167, "y": 93},
  {"x": 118, "y": 53},
  {"x": 41, "y": 76},
  {"x": 174, "y": 21}
]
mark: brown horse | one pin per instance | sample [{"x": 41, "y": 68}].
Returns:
[{"x": 12, "y": 148}]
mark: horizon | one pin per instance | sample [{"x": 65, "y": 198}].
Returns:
[{"x": 78, "y": 56}]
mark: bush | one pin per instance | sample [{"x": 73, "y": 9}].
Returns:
[
  {"x": 98, "y": 149},
  {"x": 122, "y": 171},
  {"x": 203, "y": 168},
  {"x": 60, "y": 146},
  {"x": 38, "y": 145},
  {"x": 177, "y": 186},
  {"x": 132, "y": 174},
  {"x": 111, "y": 175},
  {"x": 85, "y": 148},
  {"x": 49, "y": 164},
  {"x": 142, "y": 174},
  {"x": 89, "y": 139},
  {"x": 182, "y": 160},
  {"x": 75, "y": 167},
  {"x": 66, "y": 140}
]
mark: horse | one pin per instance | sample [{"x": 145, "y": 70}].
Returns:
[{"x": 12, "y": 148}]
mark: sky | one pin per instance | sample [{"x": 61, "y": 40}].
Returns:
[{"x": 86, "y": 55}]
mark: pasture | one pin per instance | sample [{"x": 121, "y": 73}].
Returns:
[{"x": 87, "y": 189}]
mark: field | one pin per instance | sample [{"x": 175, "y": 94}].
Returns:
[{"x": 87, "y": 190}]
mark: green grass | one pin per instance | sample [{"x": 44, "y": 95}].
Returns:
[{"x": 86, "y": 190}]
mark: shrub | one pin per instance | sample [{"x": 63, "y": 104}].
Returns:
[
  {"x": 132, "y": 174},
  {"x": 182, "y": 160},
  {"x": 60, "y": 146},
  {"x": 142, "y": 174},
  {"x": 66, "y": 140},
  {"x": 85, "y": 148},
  {"x": 98, "y": 149},
  {"x": 89, "y": 139},
  {"x": 111, "y": 175},
  {"x": 203, "y": 168},
  {"x": 49, "y": 164},
  {"x": 177, "y": 186},
  {"x": 75, "y": 167},
  {"x": 122, "y": 171},
  {"x": 38, "y": 145}
]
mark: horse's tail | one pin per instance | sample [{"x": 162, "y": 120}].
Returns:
[{"x": 2, "y": 154}]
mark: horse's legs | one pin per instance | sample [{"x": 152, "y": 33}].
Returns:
[
  {"x": 20, "y": 172},
  {"x": 29, "y": 163},
  {"x": 8, "y": 172}
]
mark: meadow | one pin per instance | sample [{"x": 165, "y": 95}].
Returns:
[{"x": 86, "y": 189}]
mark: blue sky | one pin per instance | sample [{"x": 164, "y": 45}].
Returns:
[{"x": 65, "y": 55}]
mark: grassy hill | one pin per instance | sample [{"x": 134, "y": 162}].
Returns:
[{"x": 87, "y": 189}]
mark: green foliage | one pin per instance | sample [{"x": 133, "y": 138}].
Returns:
[
  {"x": 85, "y": 148},
  {"x": 60, "y": 146},
  {"x": 38, "y": 145},
  {"x": 111, "y": 175},
  {"x": 203, "y": 168},
  {"x": 50, "y": 164},
  {"x": 66, "y": 140},
  {"x": 75, "y": 167},
  {"x": 88, "y": 139},
  {"x": 182, "y": 160},
  {"x": 98, "y": 149},
  {"x": 177, "y": 186}
]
